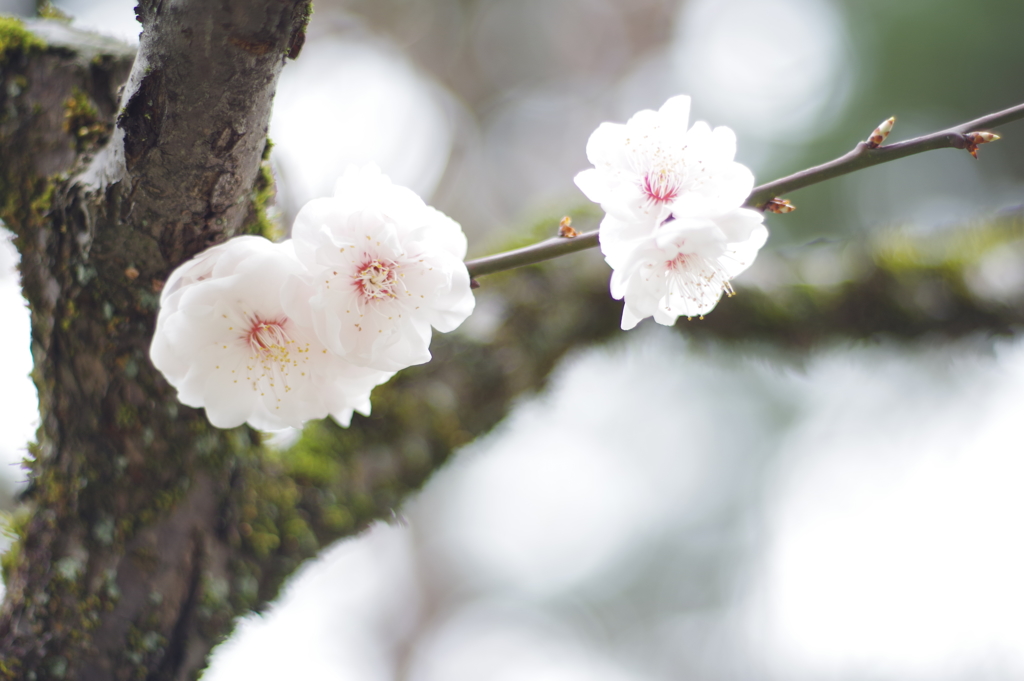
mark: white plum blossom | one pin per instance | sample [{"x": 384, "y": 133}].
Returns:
[
  {"x": 675, "y": 232},
  {"x": 277, "y": 334},
  {"x": 684, "y": 267},
  {"x": 383, "y": 269},
  {"x": 652, "y": 167},
  {"x": 224, "y": 341}
]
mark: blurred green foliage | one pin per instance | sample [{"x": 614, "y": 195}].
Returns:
[{"x": 933, "y": 64}]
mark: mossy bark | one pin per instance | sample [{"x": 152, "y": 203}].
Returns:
[
  {"x": 149, "y": 532},
  {"x": 128, "y": 491}
]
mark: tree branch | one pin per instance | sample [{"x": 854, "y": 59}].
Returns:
[
  {"x": 862, "y": 156},
  {"x": 533, "y": 254}
]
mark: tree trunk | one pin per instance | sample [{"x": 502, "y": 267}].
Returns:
[{"x": 128, "y": 537}]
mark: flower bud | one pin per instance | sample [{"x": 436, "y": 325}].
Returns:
[
  {"x": 565, "y": 228},
  {"x": 780, "y": 206},
  {"x": 976, "y": 138},
  {"x": 881, "y": 132}
]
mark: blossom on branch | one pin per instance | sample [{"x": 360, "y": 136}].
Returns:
[
  {"x": 653, "y": 167},
  {"x": 224, "y": 341},
  {"x": 684, "y": 266},
  {"x": 383, "y": 269},
  {"x": 675, "y": 232},
  {"x": 278, "y": 334}
]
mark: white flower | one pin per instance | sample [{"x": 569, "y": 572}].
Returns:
[
  {"x": 684, "y": 266},
  {"x": 654, "y": 167},
  {"x": 224, "y": 341},
  {"x": 384, "y": 268},
  {"x": 675, "y": 233}
]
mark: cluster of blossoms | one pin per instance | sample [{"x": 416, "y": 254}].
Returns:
[
  {"x": 674, "y": 232},
  {"x": 278, "y": 334}
]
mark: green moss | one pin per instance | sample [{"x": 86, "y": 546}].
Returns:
[
  {"x": 314, "y": 459},
  {"x": 126, "y": 416},
  {"x": 288, "y": 511},
  {"x": 262, "y": 197},
  {"x": 46, "y": 10},
  {"x": 25, "y": 202},
  {"x": 338, "y": 519},
  {"x": 15, "y": 38},
  {"x": 10, "y": 669},
  {"x": 143, "y": 645},
  {"x": 82, "y": 121},
  {"x": 264, "y": 543},
  {"x": 41, "y": 203},
  {"x": 901, "y": 250},
  {"x": 13, "y": 525},
  {"x": 299, "y": 34}
]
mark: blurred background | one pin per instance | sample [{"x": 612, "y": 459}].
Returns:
[{"x": 667, "y": 509}]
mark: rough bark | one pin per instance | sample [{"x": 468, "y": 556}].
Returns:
[
  {"x": 147, "y": 532},
  {"x": 128, "y": 491}
]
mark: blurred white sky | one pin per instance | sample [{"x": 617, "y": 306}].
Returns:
[
  {"x": 895, "y": 545},
  {"x": 725, "y": 48},
  {"x": 399, "y": 120},
  {"x": 19, "y": 409},
  {"x": 110, "y": 17}
]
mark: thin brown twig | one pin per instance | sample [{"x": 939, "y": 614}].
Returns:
[{"x": 862, "y": 156}]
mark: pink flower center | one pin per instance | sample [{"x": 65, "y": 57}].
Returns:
[
  {"x": 267, "y": 336},
  {"x": 274, "y": 356},
  {"x": 677, "y": 263},
  {"x": 661, "y": 186},
  {"x": 377, "y": 279}
]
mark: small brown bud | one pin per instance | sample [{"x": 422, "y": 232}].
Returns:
[
  {"x": 565, "y": 229},
  {"x": 131, "y": 273},
  {"x": 778, "y": 205},
  {"x": 976, "y": 138},
  {"x": 474, "y": 284},
  {"x": 158, "y": 285},
  {"x": 881, "y": 132}
]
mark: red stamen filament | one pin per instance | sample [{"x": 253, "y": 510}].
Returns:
[
  {"x": 266, "y": 335},
  {"x": 661, "y": 187}
]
